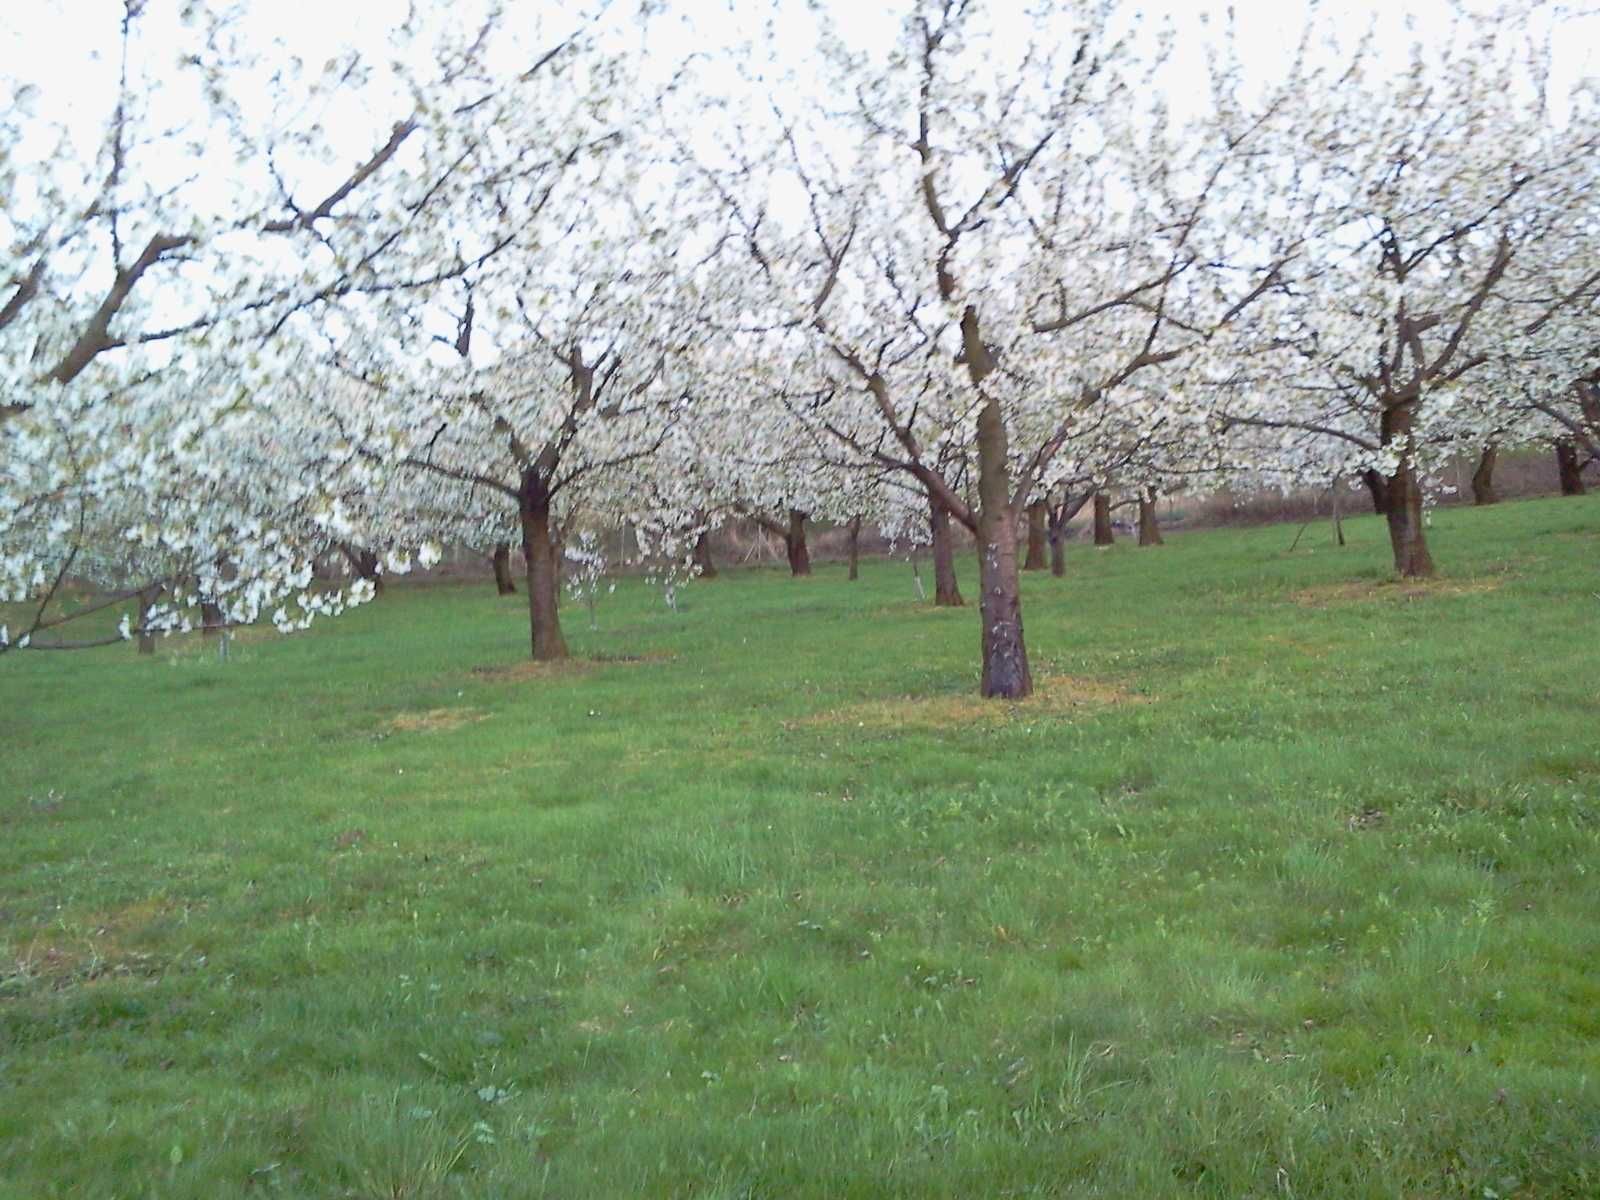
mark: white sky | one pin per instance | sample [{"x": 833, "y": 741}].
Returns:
[
  {"x": 54, "y": 42},
  {"x": 69, "y": 47}
]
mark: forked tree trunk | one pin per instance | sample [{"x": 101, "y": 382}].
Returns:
[
  {"x": 544, "y": 576},
  {"x": 946, "y": 591},
  {"x": 794, "y": 542},
  {"x": 854, "y": 529},
  {"x": 1038, "y": 522},
  {"x": 1483, "y": 478},
  {"x": 1378, "y": 488},
  {"x": 1406, "y": 534},
  {"x": 504, "y": 583},
  {"x": 1005, "y": 653},
  {"x": 1149, "y": 530},
  {"x": 1570, "y": 467},
  {"x": 1103, "y": 534},
  {"x": 1059, "y": 515},
  {"x": 704, "y": 567}
]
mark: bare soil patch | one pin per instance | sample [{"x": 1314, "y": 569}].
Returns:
[
  {"x": 1053, "y": 696},
  {"x": 1299, "y": 646},
  {"x": 564, "y": 668},
  {"x": 87, "y": 951},
  {"x": 912, "y": 607},
  {"x": 533, "y": 669},
  {"x": 1356, "y": 591},
  {"x": 436, "y": 720}
]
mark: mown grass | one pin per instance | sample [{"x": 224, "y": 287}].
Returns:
[{"x": 1286, "y": 885}]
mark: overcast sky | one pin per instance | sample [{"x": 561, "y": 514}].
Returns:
[
  {"x": 55, "y": 41},
  {"x": 69, "y": 47}
]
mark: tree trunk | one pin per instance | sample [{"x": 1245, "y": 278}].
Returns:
[
  {"x": 1038, "y": 520},
  {"x": 795, "y": 543},
  {"x": 1149, "y": 531},
  {"x": 1378, "y": 486},
  {"x": 705, "y": 568},
  {"x": 855, "y": 547},
  {"x": 1406, "y": 536},
  {"x": 1005, "y": 652},
  {"x": 946, "y": 591},
  {"x": 1483, "y": 478},
  {"x": 1103, "y": 535},
  {"x": 544, "y": 577},
  {"x": 1569, "y": 467},
  {"x": 147, "y": 600},
  {"x": 366, "y": 564},
  {"x": 504, "y": 583},
  {"x": 212, "y": 621},
  {"x": 1058, "y": 515}
]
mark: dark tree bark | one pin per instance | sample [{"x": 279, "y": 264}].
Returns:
[
  {"x": 544, "y": 577},
  {"x": 212, "y": 622},
  {"x": 212, "y": 619},
  {"x": 366, "y": 564},
  {"x": 1038, "y": 522},
  {"x": 1149, "y": 530},
  {"x": 854, "y": 529},
  {"x": 702, "y": 556},
  {"x": 1483, "y": 478},
  {"x": 794, "y": 542},
  {"x": 147, "y": 600},
  {"x": 1005, "y": 652},
  {"x": 1059, "y": 515},
  {"x": 946, "y": 591},
  {"x": 1103, "y": 533},
  {"x": 504, "y": 583},
  {"x": 1570, "y": 467},
  {"x": 793, "y": 534},
  {"x": 1406, "y": 534},
  {"x": 1378, "y": 488}
]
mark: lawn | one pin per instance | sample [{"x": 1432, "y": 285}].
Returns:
[{"x": 1287, "y": 883}]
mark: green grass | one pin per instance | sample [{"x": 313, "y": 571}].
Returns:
[{"x": 1287, "y": 884}]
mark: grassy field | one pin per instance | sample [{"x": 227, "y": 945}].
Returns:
[{"x": 1286, "y": 884}]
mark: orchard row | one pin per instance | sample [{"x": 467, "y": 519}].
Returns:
[{"x": 465, "y": 279}]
